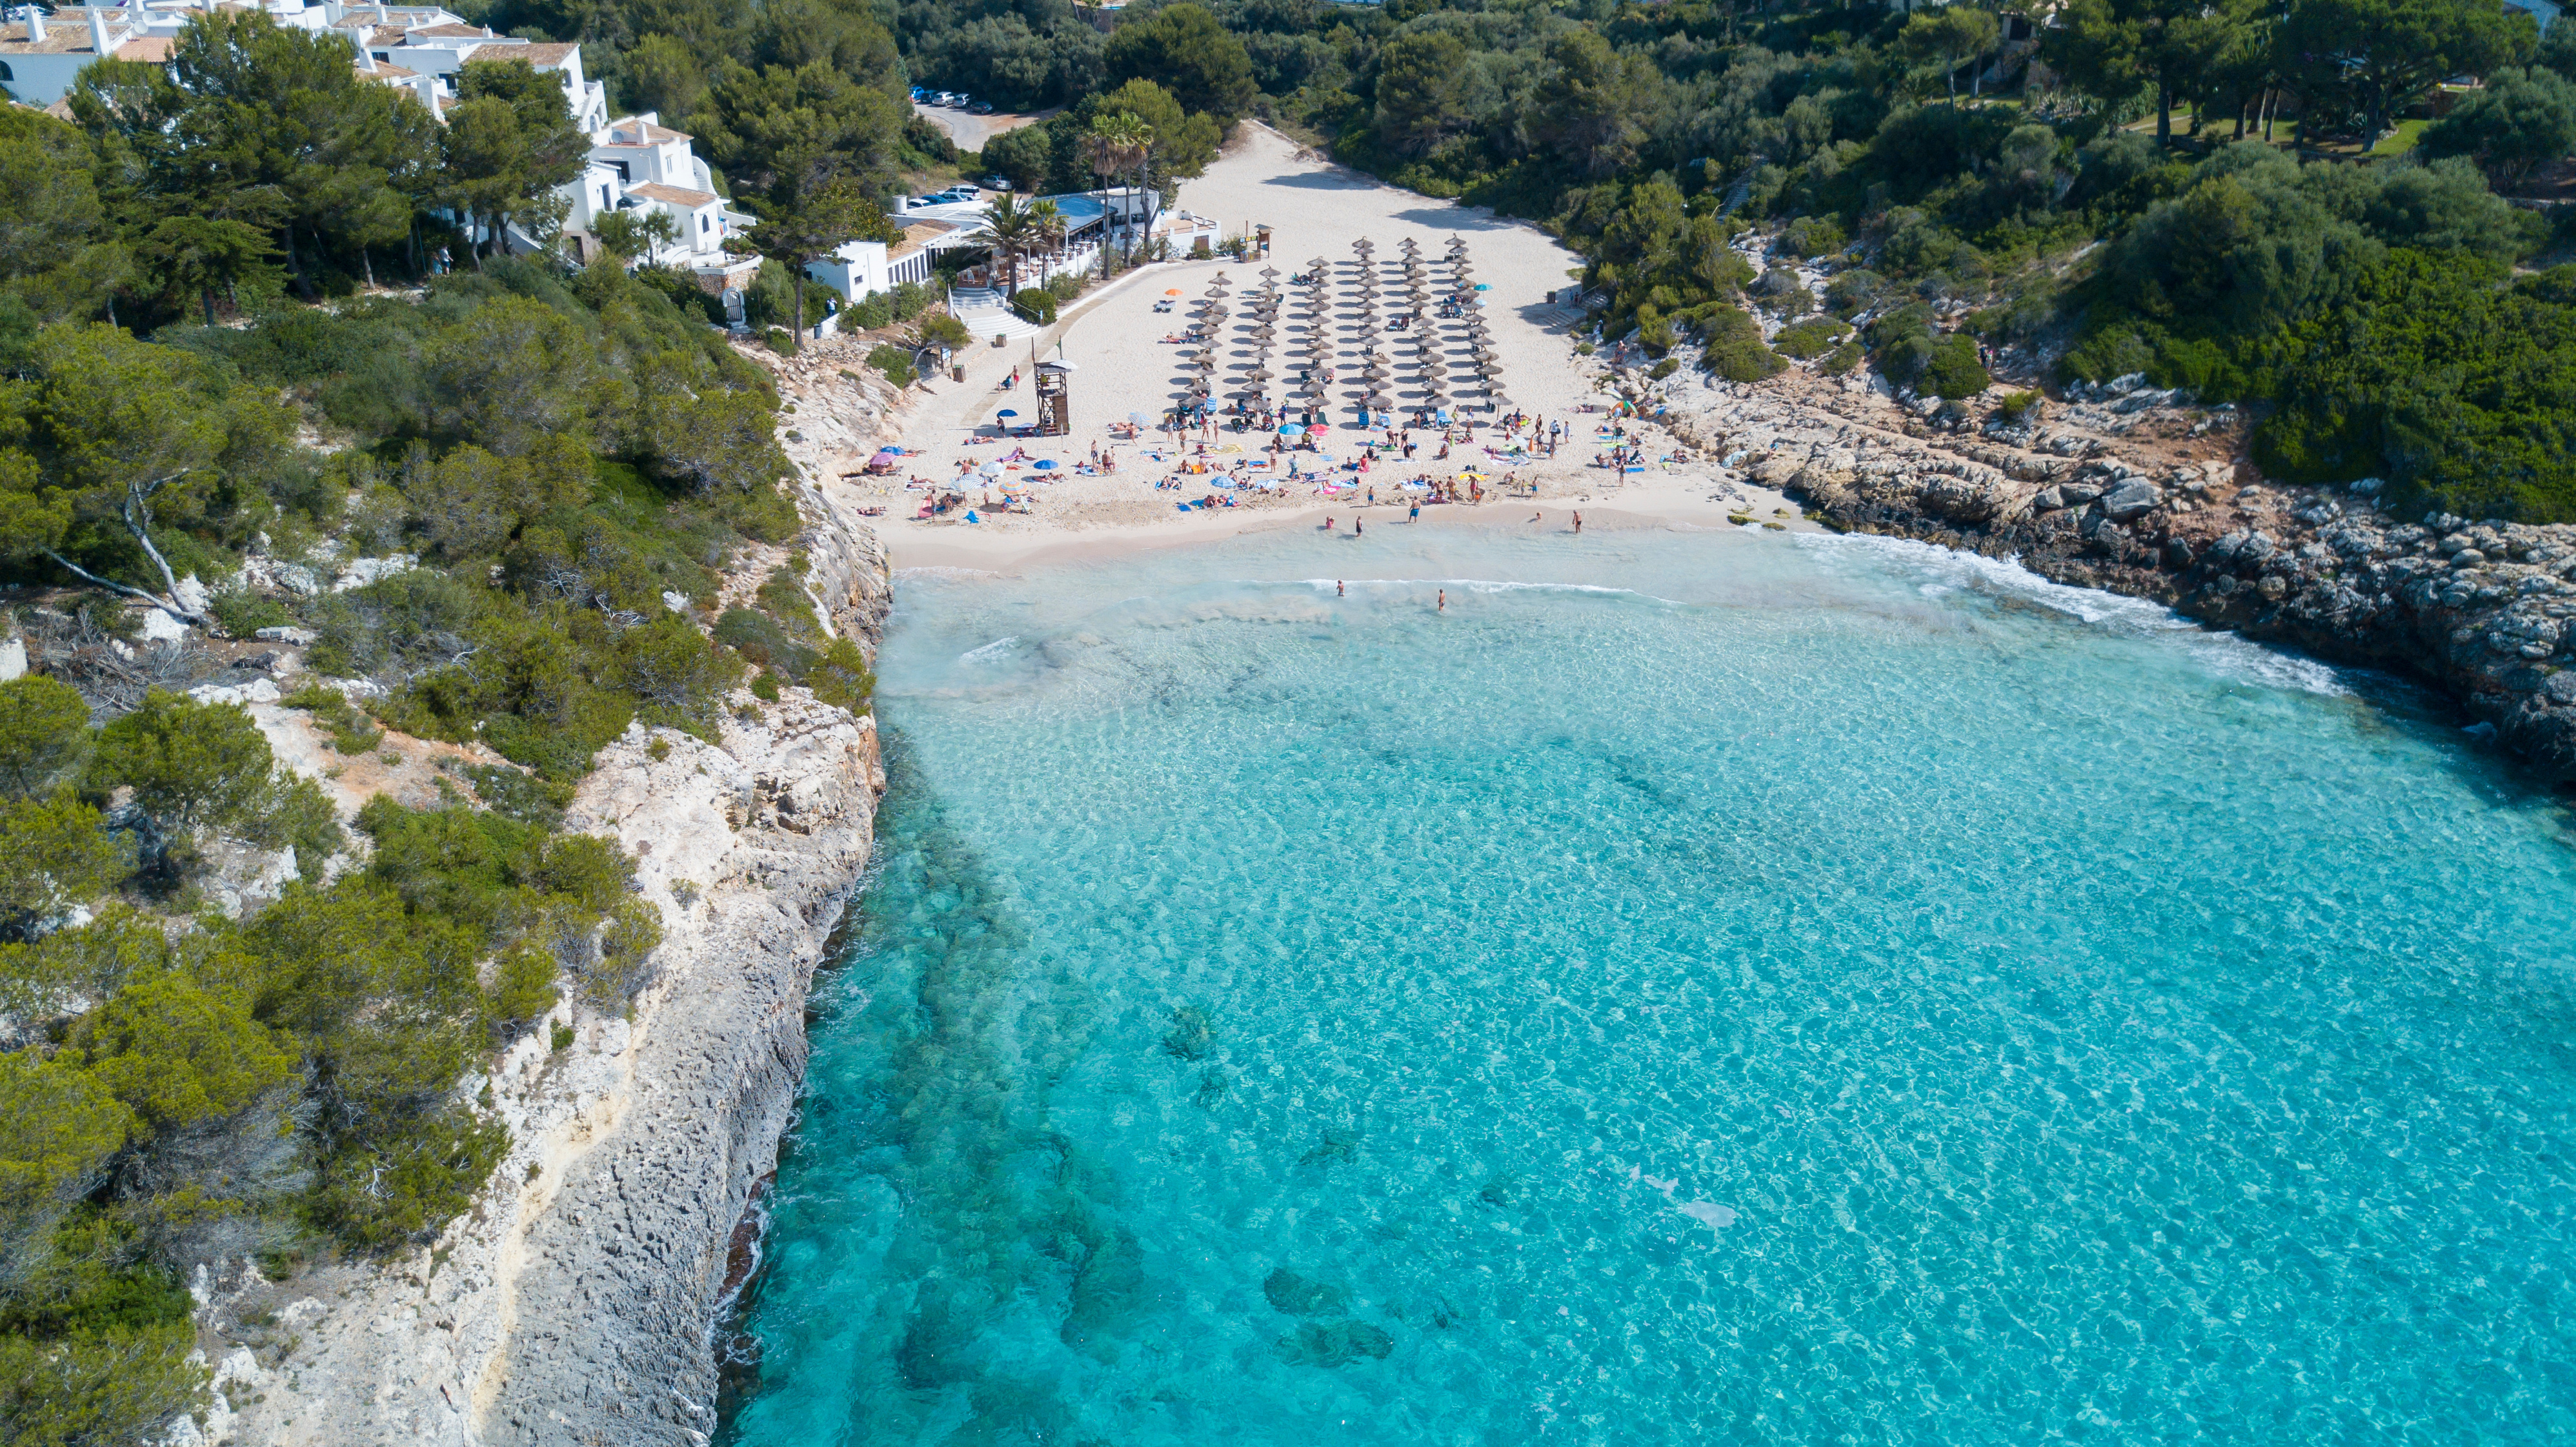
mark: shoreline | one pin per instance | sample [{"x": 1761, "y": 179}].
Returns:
[{"x": 1683, "y": 506}]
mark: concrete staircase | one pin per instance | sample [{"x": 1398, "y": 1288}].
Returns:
[{"x": 988, "y": 314}]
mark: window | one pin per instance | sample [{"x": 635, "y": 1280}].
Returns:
[
  {"x": 385, "y": 56},
  {"x": 604, "y": 202},
  {"x": 622, "y": 173},
  {"x": 4, "y": 71},
  {"x": 703, "y": 224}
]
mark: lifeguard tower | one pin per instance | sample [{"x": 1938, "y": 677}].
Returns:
[{"x": 1055, "y": 407}]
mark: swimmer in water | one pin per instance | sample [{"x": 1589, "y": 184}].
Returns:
[
  {"x": 1339, "y": 591},
  {"x": 1578, "y": 522},
  {"x": 1444, "y": 600},
  {"x": 1358, "y": 527},
  {"x": 1536, "y": 517}
]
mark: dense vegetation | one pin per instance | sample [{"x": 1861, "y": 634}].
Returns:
[{"x": 199, "y": 418}]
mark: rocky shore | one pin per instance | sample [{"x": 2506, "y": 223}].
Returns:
[{"x": 2483, "y": 611}]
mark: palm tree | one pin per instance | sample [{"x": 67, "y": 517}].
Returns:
[
  {"x": 1046, "y": 226},
  {"x": 1014, "y": 228}
]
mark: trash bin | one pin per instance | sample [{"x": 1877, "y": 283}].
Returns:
[{"x": 957, "y": 374}]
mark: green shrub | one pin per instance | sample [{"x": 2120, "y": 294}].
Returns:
[
  {"x": 779, "y": 340},
  {"x": 243, "y": 613},
  {"x": 764, "y": 686},
  {"x": 1732, "y": 345},
  {"x": 760, "y": 638},
  {"x": 1810, "y": 338},
  {"x": 626, "y": 945},
  {"x": 97, "y": 1387},
  {"x": 520, "y": 796},
  {"x": 523, "y": 985},
  {"x": 44, "y": 729},
  {"x": 841, "y": 677},
  {"x": 1035, "y": 303},
  {"x": 945, "y": 330},
  {"x": 1842, "y": 359},
  {"x": 894, "y": 362},
  {"x": 1812, "y": 236},
  {"x": 409, "y": 1182},
  {"x": 1954, "y": 369},
  {"x": 1064, "y": 286},
  {"x": 60, "y": 855},
  {"x": 351, "y": 732},
  {"x": 2015, "y": 405}
]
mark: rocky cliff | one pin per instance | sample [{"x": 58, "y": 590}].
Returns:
[{"x": 574, "y": 1303}]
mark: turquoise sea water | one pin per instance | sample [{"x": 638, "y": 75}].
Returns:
[{"x": 1700, "y": 988}]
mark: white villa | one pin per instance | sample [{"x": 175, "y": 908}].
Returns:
[
  {"x": 635, "y": 162},
  {"x": 417, "y": 47},
  {"x": 638, "y": 164}
]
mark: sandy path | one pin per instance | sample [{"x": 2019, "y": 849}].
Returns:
[{"x": 1114, "y": 339}]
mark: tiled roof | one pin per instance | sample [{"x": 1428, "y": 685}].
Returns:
[
  {"x": 147, "y": 47},
  {"x": 674, "y": 195},
  {"x": 547, "y": 53},
  {"x": 64, "y": 36},
  {"x": 627, "y": 131},
  {"x": 918, "y": 234},
  {"x": 456, "y": 32}
]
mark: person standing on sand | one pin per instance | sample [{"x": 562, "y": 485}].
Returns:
[
  {"x": 1415, "y": 515},
  {"x": 1578, "y": 522}
]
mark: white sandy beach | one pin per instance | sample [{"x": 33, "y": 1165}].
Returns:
[{"x": 1114, "y": 338}]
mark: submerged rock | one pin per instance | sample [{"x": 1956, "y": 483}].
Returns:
[
  {"x": 1191, "y": 1037},
  {"x": 1294, "y": 1295},
  {"x": 1333, "y": 1344},
  {"x": 1334, "y": 1147}
]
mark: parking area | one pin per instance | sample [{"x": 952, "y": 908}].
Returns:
[{"x": 965, "y": 127}]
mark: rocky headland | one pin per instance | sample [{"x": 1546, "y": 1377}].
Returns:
[{"x": 2137, "y": 492}]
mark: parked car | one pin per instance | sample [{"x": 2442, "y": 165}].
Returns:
[
  {"x": 981, "y": 108},
  {"x": 951, "y": 98},
  {"x": 920, "y": 94},
  {"x": 997, "y": 183}
]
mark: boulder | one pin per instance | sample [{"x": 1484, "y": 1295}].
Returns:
[{"x": 2132, "y": 497}]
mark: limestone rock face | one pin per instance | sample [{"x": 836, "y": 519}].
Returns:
[{"x": 573, "y": 1303}]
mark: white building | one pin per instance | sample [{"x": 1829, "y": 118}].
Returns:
[
  {"x": 419, "y": 47},
  {"x": 862, "y": 269},
  {"x": 41, "y": 55},
  {"x": 638, "y": 165}
]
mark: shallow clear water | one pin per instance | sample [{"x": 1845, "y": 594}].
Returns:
[{"x": 1700, "y": 988}]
